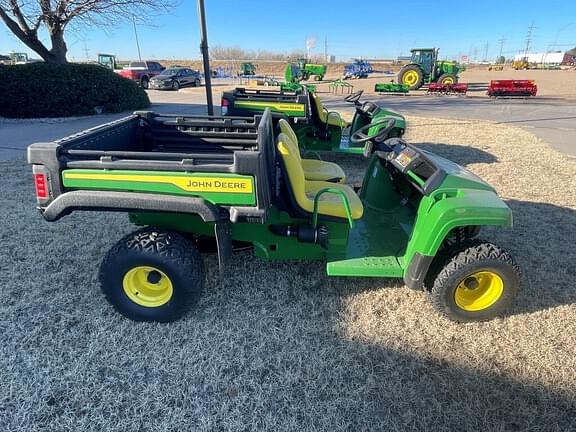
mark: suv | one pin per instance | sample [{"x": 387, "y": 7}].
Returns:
[{"x": 142, "y": 72}]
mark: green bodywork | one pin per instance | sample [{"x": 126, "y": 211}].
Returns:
[
  {"x": 289, "y": 109},
  {"x": 391, "y": 88},
  {"x": 384, "y": 241},
  {"x": 214, "y": 188}
]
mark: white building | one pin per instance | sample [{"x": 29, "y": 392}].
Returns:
[{"x": 542, "y": 58}]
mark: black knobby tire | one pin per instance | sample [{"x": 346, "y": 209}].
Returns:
[
  {"x": 170, "y": 253},
  {"x": 447, "y": 76},
  {"x": 175, "y": 85},
  {"x": 412, "y": 68},
  {"x": 145, "y": 82},
  {"x": 460, "y": 262}
]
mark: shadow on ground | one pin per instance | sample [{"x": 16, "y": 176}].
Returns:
[{"x": 266, "y": 349}]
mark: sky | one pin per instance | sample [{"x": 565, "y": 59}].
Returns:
[{"x": 367, "y": 28}]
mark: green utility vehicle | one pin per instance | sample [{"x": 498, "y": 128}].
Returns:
[
  {"x": 317, "y": 128},
  {"x": 425, "y": 68},
  {"x": 302, "y": 71},
  {"x": 240, "y": 182}
]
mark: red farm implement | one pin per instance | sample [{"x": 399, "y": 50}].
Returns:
[
  {"x": 445, "y": 89},
  {"x": 523, "y": 88}
]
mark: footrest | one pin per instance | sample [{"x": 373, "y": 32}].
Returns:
[{"x": 366, "y": 266}]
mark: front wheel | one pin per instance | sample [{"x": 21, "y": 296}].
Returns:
[
  {"x": 145, "y": 82},
  {"x": 477, "y": 282},
  {"x": 448, "y": 79},
  {"x": 175, "y": 85},
  {"x": 152, "y": 275}
]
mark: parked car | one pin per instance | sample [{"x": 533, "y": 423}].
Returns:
[
  {"x": 174, "y": 78},
  {"x": 142, "y": 72}
]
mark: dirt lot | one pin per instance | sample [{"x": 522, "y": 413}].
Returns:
[
  {"x": 551, "y": 83},
  {"x": 279, "y": 346},
  {"x": 559, "y": 84}
]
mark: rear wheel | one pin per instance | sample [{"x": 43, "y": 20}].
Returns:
[
  {"x": 447, "y": 79},
  {"x": 412, "y": 76},
  {"x": 152, "y": 275},
  {"x": 197, "y": 82},
  {"x": 477, "y": 282}
]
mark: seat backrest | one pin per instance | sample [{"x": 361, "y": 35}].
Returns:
[
  {"x": 285, "y": 128},
  {"x": 318, "y": 107},
  {"x": 293, "y": 168}
]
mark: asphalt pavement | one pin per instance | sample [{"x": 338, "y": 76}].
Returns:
[{"x": 553, "y": 120}]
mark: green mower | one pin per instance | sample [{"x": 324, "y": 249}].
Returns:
[
  {"x": 238, "y": 183},
  {"x": 317, "y": 128},
  {"x": 425, "y": 68}
]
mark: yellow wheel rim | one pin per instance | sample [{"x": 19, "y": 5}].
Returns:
[
  {"x": 147, "y": 286},
  {"x": 410, "y": 78},
  {"x": 479, "y": 291},
  {"x": 448, "y": 80}
]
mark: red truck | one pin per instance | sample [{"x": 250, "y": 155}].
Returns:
[{"x": 141, "y": 71}]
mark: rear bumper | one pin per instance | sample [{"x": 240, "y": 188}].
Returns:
[{"x": 125, "y": 202}]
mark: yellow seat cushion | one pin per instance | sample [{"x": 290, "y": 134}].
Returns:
[
  {"x": 306, "y": 190},
  {"x": 332, "y": 118},
  {"x": 322, "y": 171},
  {"x": 313, "y": 169}
]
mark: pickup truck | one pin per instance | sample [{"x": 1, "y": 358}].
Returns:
[{"x": 141, "y": 72}]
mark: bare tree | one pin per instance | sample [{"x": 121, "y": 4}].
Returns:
[{"x": 24, "y": 18}]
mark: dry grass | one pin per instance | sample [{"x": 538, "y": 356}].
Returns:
[{"x": 279, "y": 346}]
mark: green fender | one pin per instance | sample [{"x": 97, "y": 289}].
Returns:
[{"x": 445, "y": 210}]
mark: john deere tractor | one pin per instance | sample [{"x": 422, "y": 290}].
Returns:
[
  {"x": 302, "y": 71},
  {"x": 425, "y": 68}
]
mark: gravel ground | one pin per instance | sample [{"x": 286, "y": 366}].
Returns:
[{"x": 279, "y": 346}]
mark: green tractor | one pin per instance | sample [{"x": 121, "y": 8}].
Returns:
[
  {"x": 425, "y": 68},
  {"x": 247, "y": 69},
  {"x": 302, "y": 71}
]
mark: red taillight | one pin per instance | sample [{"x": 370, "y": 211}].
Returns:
[
  {"x": 224, "y": 106},
  {"x": 41, "y": 186}
]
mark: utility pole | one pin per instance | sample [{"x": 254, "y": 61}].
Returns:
[
  {"x": 529, "y": 36},
  {"x": 205, "y": 56},
  {"x": 136, "y": 36},
  {"x": 326, "y": 48},
  {"x": 501, "y": 40},
  {"x": 486, "y": 51}
]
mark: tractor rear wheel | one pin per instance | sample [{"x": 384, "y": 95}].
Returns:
[
  {"x": 412, "y": 76},
  {"x": 448, "y": 79},
  {"x": 152, "y": 275},
  {"x": 477, "y": 281}
]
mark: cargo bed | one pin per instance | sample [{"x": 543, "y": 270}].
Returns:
[{"x": 160, "y": 163}]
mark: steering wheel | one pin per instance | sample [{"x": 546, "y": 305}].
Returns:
[
  {"x": 360, "y": 136},
  {"x": 354, "y": 97}
]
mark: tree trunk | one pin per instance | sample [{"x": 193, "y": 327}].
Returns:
[
  {"x": 29, "y": 37},
  {"x": 59, "y": 48}
]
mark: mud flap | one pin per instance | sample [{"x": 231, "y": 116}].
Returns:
[{"x": 223, "y": 241}]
